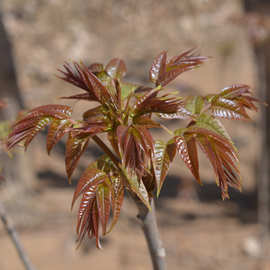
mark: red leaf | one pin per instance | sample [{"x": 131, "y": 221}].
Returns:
[
  {"x": 95, "y": 219},
  {"x": 221, "y": 153},
  {"x": 83, "y": 78},
  {"x": 117, "y": 201},
  {"x": 187, "y": 149},
  {"x": 181, "y": 113},
  {"x": 88, "y": 182},
  {"x": 163, "y": 156},
  {"x": 78, "y": 76},
  {"x": 103, "y": 205},
  {"x": 94, "y": 112},
  {"x": 89, "y": 129},
  {"x": 232, "y": 102},
  {"x": 151, "y": 103},
  {"x": 26, "y": 130},
  {"x": 83, "y": 96},
  {"x": 112, "y": 138},
  {"x": 136, "y": 144},
  {"x": 146, "y": 138},
  {"x": 56, "y": 131},
  {"x": 52, "y": 110},
  {"x": 96, "y": 67},
  {"x": 122, "y": 135},
  {"x": 116, "y": 68},
  {"x": 158, "y": 68},
  {"x": 146, "y": 122},
  {"x": 84, "y": 211},
  {"x": 185, "y": 61},
  {"x": 74, "y": 149},
  {"x": 99, "y": 89},
  {"x": 35, "y": 120}
]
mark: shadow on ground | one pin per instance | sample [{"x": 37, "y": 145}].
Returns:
[{"x": 242, "y": 205}]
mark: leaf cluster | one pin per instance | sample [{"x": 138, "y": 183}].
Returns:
[{"x": 126, "y": 113}]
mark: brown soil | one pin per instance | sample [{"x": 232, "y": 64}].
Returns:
[
  {"x": 199, "y": 230},
  {"x": 197, "y": 235}
]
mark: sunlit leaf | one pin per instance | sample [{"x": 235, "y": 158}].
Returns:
[
  {"x": 96, "y": 68},
  {"x": 34, "y": 121},
  {"x": 221, "y": 154},
  {"x": 178, "y": 64},
  {"x": 187, "y": 149},
  {"x": 182, "y": 113},
  {"x": 136, "y": 144},
  {"x": 56, "y": 131},
  {"x": 146, "y": 122},
  {"x": 74, "y": 149},
  {"x": 103, "y": 205},
  {"x": 233, "y": 102},
  {"x": 89, "y": 181},
  {"x": 117, "y": 200},
  {"x": 83, "y": 96},
  {"x": 95, "y": 222},
  {"x": 134, "y": 160},
  {"x": 210, "y": 123},
  {"x": 139, "y": 189},
  {"x": 152, "y": 103},
  {"x": 78, "y": 76},
  {"x": 94, "y": 112},
  {"x": 116, "y": 68},
  {"x": 158, "y": 68},
  {"x": 163, "y": 156}
]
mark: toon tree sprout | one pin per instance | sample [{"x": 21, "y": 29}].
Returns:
[{"x": 126, "y": 113}]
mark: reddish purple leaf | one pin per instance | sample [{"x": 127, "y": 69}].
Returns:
[
  {"x": 116, "y": 68},
  {"x": 163, "y": 156},
  {"x": 103, "y": 205},
  {"x": 56, "y": 131},
  {"x": 158, "y": 68},
  {"x": 96, "y": 68},
  {"x": 74, "y": 149},
  {"x": 117, "y": 201},
  {"x": 187, "y": 150},
  {"x": 88, "y": 182}
]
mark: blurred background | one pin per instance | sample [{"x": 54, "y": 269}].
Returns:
[{"x": 199, "y": 230}]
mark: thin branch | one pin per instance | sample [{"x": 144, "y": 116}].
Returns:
[
  {"x": 151, "y": 233},
  {"x": 15, "y": 239}
]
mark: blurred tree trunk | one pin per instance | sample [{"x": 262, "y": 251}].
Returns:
[
  {"x": 9, "y": 86},
  {"x": 261, "y": 47},
  {"x": 16, "y": 170},
  {"x": 263, "y": 67}
]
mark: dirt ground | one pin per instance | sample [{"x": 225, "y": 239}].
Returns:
[
  {"x": 199, "y": 230},
  {"x": 197, "y": 235}
]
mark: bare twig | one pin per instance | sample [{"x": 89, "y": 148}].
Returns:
[
  {"x": 15, "y": 239},
  {"x": 150, "y": 229}
]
